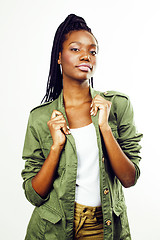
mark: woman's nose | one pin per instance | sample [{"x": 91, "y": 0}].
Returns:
[{"x": 85, "y": 56}]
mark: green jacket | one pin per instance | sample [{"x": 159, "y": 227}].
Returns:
[{"x": 53, "y": 217}]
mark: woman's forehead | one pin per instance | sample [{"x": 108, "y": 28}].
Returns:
[{"x": 81, "y": 37}]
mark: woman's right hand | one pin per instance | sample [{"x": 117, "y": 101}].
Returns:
[{"x": 58, "y": 128}]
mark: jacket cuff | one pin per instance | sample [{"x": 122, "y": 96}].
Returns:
[
  {"x": 137, "y": 172},
  {"x": 32, "y": 196}
]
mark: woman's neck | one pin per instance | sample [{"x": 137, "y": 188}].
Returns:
[{"x": 76, "y": 93}]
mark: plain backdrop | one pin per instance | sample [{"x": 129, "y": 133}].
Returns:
[{"x": 129, "y": 61}]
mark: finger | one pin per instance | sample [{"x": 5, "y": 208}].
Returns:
[
  {"x": 65, "y": 129},
  {"x": 94, "y": 110},
  {"x": 100, "y": 98},
  {"x": 58, "y": 118},
  {"x": 56, "y": 113},
  {"x": 95, "y": 101},
  {"x": 61, "y": 125},
  {"x": 101, "y": 103},
  {"x": 97, "y": 97}
]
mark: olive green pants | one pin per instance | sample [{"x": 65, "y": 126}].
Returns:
[{"x": 88, "y": 222}]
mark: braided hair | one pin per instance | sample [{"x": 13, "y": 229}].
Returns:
[{"x": 54, "y": 84}]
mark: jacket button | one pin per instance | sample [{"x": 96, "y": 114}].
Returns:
[
  {"x": 106, "y": 191},
  {"x": 108, "y": 222},
  {"x": 103, "y": 159}
]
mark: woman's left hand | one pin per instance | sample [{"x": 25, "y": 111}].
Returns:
[{"x": 104, "y": 106}]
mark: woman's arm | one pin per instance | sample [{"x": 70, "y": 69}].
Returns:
[
  {"x": 122, "y": 166},
  {"x": 43, "y": 180}
]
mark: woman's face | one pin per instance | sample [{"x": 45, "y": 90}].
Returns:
[{"x": 78, "y": 56}]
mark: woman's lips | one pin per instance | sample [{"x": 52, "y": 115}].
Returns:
[{"x": 84, "y": 67}]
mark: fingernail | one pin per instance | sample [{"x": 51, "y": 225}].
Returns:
[
  {"x": 69, "y": 131},
  {"x": 92, "y": 113}
]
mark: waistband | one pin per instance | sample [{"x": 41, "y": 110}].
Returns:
[{"x": 88, "y": 210}]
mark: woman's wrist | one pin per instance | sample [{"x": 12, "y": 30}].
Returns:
[
  {"x": 56, "y": 148},
  {"x": 105, "y": 128}
]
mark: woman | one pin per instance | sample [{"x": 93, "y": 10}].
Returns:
[{"x": 81, "y": 146}]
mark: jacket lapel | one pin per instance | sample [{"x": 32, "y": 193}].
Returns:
[{"x": 61, "y": 108}]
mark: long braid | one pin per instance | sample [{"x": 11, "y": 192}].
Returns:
[{"x": 54, "y": 84}]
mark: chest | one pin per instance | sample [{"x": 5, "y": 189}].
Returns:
[{"x": 79, "y": 116}]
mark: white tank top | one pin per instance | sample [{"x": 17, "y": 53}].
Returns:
[{"x": 87, "y": 182}]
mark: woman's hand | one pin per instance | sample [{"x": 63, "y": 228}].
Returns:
[
  {"x": 104, "y": 106},
  {"x": 58, "y": 128}
]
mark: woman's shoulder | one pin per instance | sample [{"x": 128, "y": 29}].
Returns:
[
  {"x": 41, "y": 107},
  {"x": 43, "y": 111},
  {"x": 113, "y": 93},
  {"x": 120, "y": 101}
]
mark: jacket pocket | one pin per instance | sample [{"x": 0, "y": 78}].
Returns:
[
  {"x": 119, "y": 207},
  {"x": 49, "y": 215},
  {"x": 45, "y": 224},
  {"x": 121, "y": 225},
  {"x": 52, "y": 219}
]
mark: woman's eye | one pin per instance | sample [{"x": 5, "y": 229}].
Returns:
[
  {"x": 74, "y": 49},
  {"x": 93, "y": 53}
]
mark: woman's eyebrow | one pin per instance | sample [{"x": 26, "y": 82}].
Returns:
[
  {"x": 75, "y": 42},
  {"x": 92, "y": 45}
]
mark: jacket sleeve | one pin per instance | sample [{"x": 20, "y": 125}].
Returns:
[
  {"x": 128, "y": 138},
  {"x": 34, "y": 159}
]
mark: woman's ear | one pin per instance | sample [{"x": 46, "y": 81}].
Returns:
[{"x": 59, "y": 59}]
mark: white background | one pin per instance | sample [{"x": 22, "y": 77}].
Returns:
[{"x": 129, "y": 61}]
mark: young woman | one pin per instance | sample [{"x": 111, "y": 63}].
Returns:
[{"x": 81, "y": 146}]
